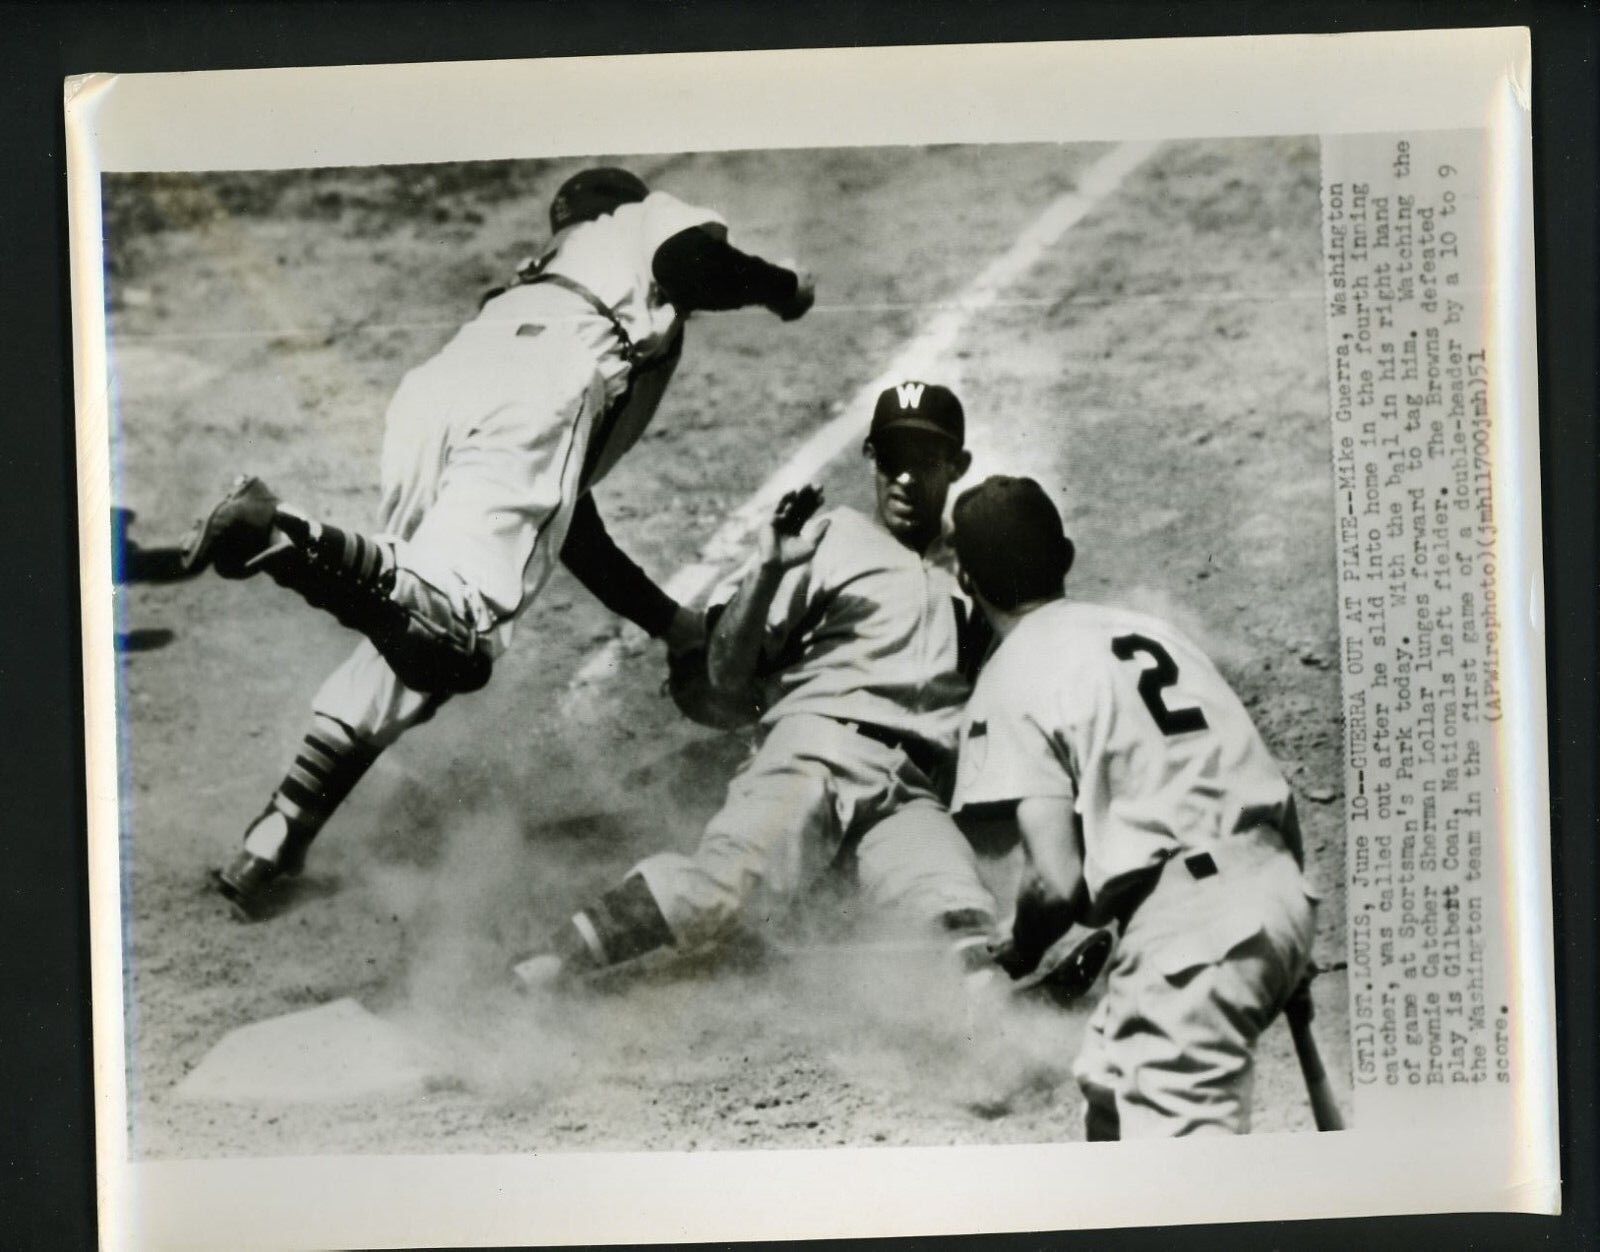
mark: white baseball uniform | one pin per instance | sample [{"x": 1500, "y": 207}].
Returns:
[
  {"x": 1188, "y": 834},
  {"x": 489, "y": 445},
  {"x": 862, "y": 672}
]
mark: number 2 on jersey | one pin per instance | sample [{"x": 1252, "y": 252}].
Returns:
[{"x": 1153, "y": 681}]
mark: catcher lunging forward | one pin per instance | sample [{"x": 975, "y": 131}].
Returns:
[
  {"x": 1143, "y": 793},
  {"x": 490, "y": 452},
  {"x": 853, "y": 643}
]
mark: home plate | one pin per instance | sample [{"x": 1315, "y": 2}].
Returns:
[{"x": 335, "y": 1052}]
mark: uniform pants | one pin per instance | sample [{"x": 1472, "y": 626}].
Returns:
[
  {"x": 1203, "y": 966},
  {"x": 814, "y": 787},
  {"x": 483, "y": 450}
]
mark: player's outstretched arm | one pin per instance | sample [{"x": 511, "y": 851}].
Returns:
[
  {"x": 734, "y": 649},
  {"x": 613, "y": 578},
  {"x": 1051, "y": 897},
  {"x": 1049, "y": 829},
  {"x": 700, "y": 270}
]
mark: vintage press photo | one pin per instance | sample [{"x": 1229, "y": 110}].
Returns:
[{"x": 418, "y": 848}]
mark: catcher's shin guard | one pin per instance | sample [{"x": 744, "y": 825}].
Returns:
[{"x": 351, "y": 576}]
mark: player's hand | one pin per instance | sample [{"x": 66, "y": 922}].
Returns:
[
  {"x": 805, "y": 295},
  {"x": 1042, "y": 918},
  {"x": 779, "y": 550},
  {"x": 686, "y": 632}
]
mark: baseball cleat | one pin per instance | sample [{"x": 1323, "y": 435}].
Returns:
[
  {"x": 274, "y": 838},
  {"x": 245, "y": 883},
  {"x": 239, "y": 532},
  {"x": 1063, "y": 981}
]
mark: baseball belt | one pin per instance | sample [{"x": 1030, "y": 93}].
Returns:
[
  {"x": 1198, "y": 865},
  {"x": 929, "y": 759}
]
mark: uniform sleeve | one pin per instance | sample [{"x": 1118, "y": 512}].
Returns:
[
  {"x": 789, "y": 614},
  {"x": 1008, "y": 751},
  {"x": 610, "y": 575},
  {"x": 665, "y": 215},
  {"x": 785, "y": 616},
  {"x": 795, "y": 607},
  {"x": 700, "y": 271}
]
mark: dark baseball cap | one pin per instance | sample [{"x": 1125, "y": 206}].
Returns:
[
  {"x": 915, "y": 406},
  {"x": 590, "y": 193},
  {"x": 1010, "y": 541}
]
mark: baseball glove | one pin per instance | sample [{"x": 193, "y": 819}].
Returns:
[
  {"x": 1068, "y": 971},
  {"x": 689, "y": 685}
]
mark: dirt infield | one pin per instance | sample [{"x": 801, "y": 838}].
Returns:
[{"x": 1163, "y": 366}]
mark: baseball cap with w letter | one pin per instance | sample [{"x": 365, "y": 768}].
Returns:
[{"x": 917, "y": 406}]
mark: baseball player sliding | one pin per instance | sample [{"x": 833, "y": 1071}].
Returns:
[
  {"x": 851, "y": 641},
  {"x": 1143, "y": 793},
  {"x": 490, "y": 452}
]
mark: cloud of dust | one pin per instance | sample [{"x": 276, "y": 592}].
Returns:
[
  {"x": 905, "y": 1022},
  {"x": 853, "y": 1005},
  {"x": 871, "y": 1010}
]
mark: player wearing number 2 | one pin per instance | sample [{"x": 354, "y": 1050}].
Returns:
[
  {"x": 491, "y": 451},
  {"x": 1131, "y": 772}
]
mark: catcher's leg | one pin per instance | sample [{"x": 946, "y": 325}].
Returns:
[
  {"x": 327, "y": 765},
  {"x": 428, "y": 640},
  {"x": 359, "y": 711}
]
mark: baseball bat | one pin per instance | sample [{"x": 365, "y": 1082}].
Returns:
[{"x": 1324, "y": 1108}]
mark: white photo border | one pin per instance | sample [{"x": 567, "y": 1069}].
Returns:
[{"x": 1178, "y": 88}]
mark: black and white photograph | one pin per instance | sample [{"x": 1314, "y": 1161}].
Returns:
[
  {"x": 853, "y": 646},
  {"x": 422, "y": 855}
]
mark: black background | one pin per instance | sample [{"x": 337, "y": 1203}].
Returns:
[{"x": 46, "y": 1107}]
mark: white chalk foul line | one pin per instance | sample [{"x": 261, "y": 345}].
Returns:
[{"x": 920, "y": 356}]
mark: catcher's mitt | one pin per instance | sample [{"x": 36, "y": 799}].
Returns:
[
  {"x": 1067, "y": 975},
  {"x": 689, "y": 685}
]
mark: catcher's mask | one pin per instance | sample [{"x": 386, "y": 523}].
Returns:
[{"x": 590, "y": 193}]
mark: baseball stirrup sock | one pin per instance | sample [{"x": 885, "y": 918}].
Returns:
[
  {"x": 341, "y": 571},
  {"x": 625, "y": 923},
  {"x": 368, "y": 562},
  {"x": 430, "y": 648},
  {"x": 328, "y": 765}
]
